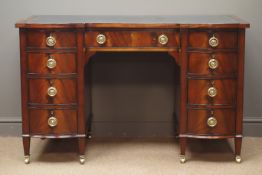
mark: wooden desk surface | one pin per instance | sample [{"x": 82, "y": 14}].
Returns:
[{"x": 193, "y": 21}]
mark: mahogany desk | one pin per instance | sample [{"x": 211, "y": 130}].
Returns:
[{"x": 208, "y": 49}]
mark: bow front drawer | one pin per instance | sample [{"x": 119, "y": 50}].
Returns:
[
  {"x": 51, "y": 63},
  {"x": 211, "y": 122},
  {"x": 213, "y": 39},
  {"x": 52, "y": 91},
  {"x": 212, "y": 63},
  {"x": 217, "y": 92},
  {"x": 53, "y": 122},
  {"x": 51, "y": 39}
]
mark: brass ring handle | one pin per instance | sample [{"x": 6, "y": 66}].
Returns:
[
  {"x": 101, "y": 39},
  {"x": 213, "y": 63},
  {"x": 212, "y": 92},
  {"x": 51, "y": 63},
  {"x": 163, "y": 39},
  {"x": 213, "y": 41},
  {"x": 211, "y": 122},
  {"x": 50, "y": 41},
  {"x": 52, "y": 121},
  {"x": 51, "y": 91}
]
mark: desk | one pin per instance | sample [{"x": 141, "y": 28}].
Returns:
[{"x": 208, "y": 49}]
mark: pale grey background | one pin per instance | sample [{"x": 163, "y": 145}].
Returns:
[{"x": 145, "y": 86}]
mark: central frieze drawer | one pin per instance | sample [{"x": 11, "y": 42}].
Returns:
[{"x": 125, "y": 38}]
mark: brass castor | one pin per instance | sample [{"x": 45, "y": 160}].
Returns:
[
  {"x": 182, "y": 158},
  {"x": 238, "y": 159},
  {"x": 27, "y": 159},
  {"x": 82, "y": 159}
]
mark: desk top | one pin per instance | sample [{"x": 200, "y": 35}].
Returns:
[{"x": 193, "y": 21}]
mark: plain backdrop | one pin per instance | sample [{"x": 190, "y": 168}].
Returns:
[{"x": 151, "y": 99}]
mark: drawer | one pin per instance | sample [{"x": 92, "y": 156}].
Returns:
[
  {"x": 52, "y": 91},
  {"x": 215, "y": 92},
  {"x": 215, "y": 63},
  {"x": 45, "y": 63},
  {"x": 123, "y": 38},
  {"x": 50, "y": 122},
  {"x": 49, "y": 39},
  {"x": 211, "y": 122},
  {"x": 224, "y": 39}
]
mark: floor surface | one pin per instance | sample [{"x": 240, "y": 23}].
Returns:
[{"x": 130, "y": 156}]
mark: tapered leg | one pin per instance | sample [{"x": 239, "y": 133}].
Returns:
[
  {"x": 182, "y": 143},
  {"x": 238, "y": 144},
  {"x": 81, "y": 149},
  {"x": 89, "y": 128},
  {"x": 26, "y": 144},
  {"x": 89, "y": 98}
]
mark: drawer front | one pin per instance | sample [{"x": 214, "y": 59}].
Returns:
[
  {"x": 50, "y": 122},
  {"x": 200, "y": 39},
  {"x": 52, "y": 91},
  {"x": 169, "y": 38},
  {"x": 211, "y": 122},
  {"x": 202, "y": 92},
  {"x": 45, "y": 63},
  {"x": 215, "y": 63},
  {"x": 57, "y": 39}
]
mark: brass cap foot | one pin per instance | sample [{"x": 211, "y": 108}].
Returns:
[
  {"x": 27, "y": 159},
  {"x": 238, "y": 159},
  {"x": 82, "y": 159},
  {"x": 182, "y": 158}
]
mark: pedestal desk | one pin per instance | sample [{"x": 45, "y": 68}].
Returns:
[{"x": 209, "y": 52}]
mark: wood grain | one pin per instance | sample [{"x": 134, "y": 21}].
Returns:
[
  {"x": 197, "y": 122},
  {"x": 66, "y": 91},
  {"x": 200, "y": 39},
  {"x": 65, "y": 63},
  {"x": 67, "y": 122},
  {"x": 198, "y": 63},
  {"x": 197, "y": 92},
  {"x": 132, "y": 38},
  {"x": 64, "y": 39}
]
